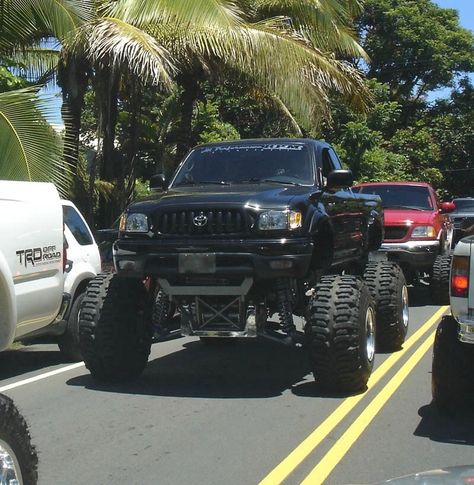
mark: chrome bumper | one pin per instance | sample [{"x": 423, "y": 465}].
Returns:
[
  {"x": 466, "y": 330},
  {"x": 417, "y": 254}
]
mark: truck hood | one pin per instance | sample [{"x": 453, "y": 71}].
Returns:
[
  {"x": 266, "y": 196},
  {"x": 402, "y": 217}
]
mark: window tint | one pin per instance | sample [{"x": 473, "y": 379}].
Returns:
[
  {"x": 239, "y": 163},
  {"x": 327, "y": 164},
  {"x": 76, "y": 225},
  {"x": 401, "y": 196},
  {"x": 336, "y": 163}
]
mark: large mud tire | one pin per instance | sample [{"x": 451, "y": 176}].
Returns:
[
  {"x": 340, "y": 333},
  {"x": 452, "y": 383},
  {"x": 115, "y": 328},
  {"x": 68, "y": 343},
  {"x": 439, "y": 285},
  {"x": 387, "y": 285},
  {"x": 16, "y": 450}
]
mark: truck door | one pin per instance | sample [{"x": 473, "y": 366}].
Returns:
[
  {"x": 339, "y": 205},
  {"x": 32, "y": 240}
]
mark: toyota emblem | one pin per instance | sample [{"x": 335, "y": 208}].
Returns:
[{"x": 200, "y": 220}]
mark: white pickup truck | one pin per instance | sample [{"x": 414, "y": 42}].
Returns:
[
  {"x": 47, "y": 257},
  {"x": 453, "y": 353}
]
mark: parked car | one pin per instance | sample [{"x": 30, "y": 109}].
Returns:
[
  {"x": 453, "y": 353},
  {"x": 418, "y": 231},
  {"x": 84, "y": 263},
  {"x": 46, "y": 262},
  {"x": 462, "y": 217}
]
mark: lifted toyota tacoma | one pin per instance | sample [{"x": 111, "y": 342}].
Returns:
[{"x": 245, "y": 230}]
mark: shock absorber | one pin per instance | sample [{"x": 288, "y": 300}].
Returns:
[{"x": 284, "y": 306}]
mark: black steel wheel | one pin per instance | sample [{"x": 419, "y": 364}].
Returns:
[
  {"x": 387, "y": 285},
  {"x": 452, "y": 383},
  {"x": 440, "y": 279},
  {"x": 115, "y": 328},
  {"x": 18, "y": 458},
  {"x": 340, "y": 333}
]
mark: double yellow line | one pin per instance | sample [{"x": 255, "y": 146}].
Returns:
[{"x": 342, "y": 446}]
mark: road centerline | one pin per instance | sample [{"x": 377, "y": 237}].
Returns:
[
  {"x": 307, "y": 446},
  {"x": 324, "y": 468}
]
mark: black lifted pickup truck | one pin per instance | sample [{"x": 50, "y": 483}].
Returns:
[{"x": 245, "y": 230}]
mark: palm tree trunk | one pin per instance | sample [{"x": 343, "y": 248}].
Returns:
[
  {"x": 72, "y": 78},
  {"x": 187, "y": 100}
]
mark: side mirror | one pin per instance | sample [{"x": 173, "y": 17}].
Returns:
[
  {"x": 158, "y": 182},
  {"x": 447, "y": 207},
  {"x": 338, "y": 179}
]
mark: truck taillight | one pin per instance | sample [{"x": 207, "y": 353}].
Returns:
[{"x": 460, "y": 276}]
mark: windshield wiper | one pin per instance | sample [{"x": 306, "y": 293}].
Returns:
[{"x": 259, "y": 181}]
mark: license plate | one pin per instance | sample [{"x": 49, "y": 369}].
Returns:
[{"x": 200, "y": 263}]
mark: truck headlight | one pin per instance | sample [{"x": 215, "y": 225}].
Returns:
[
  {"x": 134, "y": 222},
  {"x": 424, "y": 231},
  {"x": 279, "y": 220}
]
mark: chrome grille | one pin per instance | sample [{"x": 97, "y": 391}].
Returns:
[{"x": 205, "y": 222}]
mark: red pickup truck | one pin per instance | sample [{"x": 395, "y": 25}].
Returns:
[{"x": 418, "y": 231}]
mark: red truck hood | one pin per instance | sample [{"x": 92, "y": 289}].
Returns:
[{"x": 399, "y": 217}]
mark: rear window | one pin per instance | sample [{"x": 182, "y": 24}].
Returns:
[
  {"x": 76, "y": 225},
  {"x": 400, "y": 196}
]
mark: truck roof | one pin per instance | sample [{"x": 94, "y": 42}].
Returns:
[
  {"x": 28, "y": 191},
  {"x": 256, "y": 141}
]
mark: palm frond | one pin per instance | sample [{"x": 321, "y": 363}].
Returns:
[
  {"x": 113, "y": 42},
  {"x": 327, "y": 23},
  {"x": 197, "y": 13},
  {"x": 29, "y": 147},
  {"x": 36, "y": 63},
  {"x": 284, "y": 63}
]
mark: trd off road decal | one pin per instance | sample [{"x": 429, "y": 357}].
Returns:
[{"x": 39, "y": 256}]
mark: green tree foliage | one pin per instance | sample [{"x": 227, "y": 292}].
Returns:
[
  {"x": 414, "y": 45},
  {"x": 451, "y": 122},
  {"x": 208, "y": 127}
]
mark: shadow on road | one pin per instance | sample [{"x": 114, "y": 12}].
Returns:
[
  {"x": 419, "y": 295},
  {"x": 457, "y": 429},
  {"x": 251, "y": 369},
  {"x": 21, "y": 361}
]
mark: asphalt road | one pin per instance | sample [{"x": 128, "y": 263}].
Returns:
[{"x": 239, "y": 414}]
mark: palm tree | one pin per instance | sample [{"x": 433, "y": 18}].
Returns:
[
  {"x": 185, "y": 40},
  {"x": 30, "y": 148}
]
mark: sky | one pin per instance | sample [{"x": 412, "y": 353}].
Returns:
[{"x": 466, "y": 16}]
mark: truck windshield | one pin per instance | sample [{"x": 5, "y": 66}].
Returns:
[
  {"x": 464, "y": 205},
  {"x": 286, "y": 163},
  {"x": 401, "y": 196}
]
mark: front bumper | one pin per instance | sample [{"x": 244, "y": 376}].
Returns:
[
  {"x": 256, "y": 258},
  {"x": 419, "y": 255}
]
